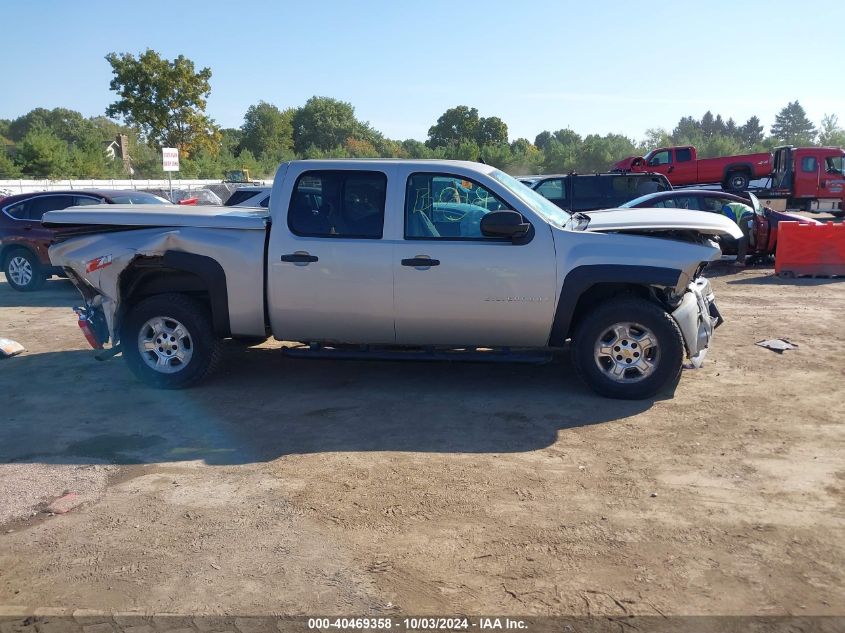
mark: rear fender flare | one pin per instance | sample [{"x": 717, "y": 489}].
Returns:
[
  {"x": 213, "y": 278},
  {"x": 734, "y": 167}
]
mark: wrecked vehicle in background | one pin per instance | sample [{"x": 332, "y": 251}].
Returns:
[{"x": 402, "y": 259}]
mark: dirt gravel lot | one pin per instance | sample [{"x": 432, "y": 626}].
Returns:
[{"x": 338, "y": 487}]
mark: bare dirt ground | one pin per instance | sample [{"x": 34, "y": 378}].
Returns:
[{"x": 338, "y": 487}]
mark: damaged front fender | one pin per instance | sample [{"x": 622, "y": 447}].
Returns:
[{"x": 697, "y": 317}]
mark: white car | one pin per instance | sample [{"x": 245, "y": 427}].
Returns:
[{"x": 413, "y": 258}]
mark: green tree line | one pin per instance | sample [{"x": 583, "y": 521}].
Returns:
[{"x": 162, "y": 102}]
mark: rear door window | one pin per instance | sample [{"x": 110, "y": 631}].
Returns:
[
  {"x": 341, "y": 204},
  {"x": 683, "y": 155},
  {"x": 39, "y": 206}
]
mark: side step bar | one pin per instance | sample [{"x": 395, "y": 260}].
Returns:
[{"x": 467, "y": 355}]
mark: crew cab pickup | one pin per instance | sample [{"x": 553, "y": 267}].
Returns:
[
  {"x": 682, "y": 166},
  {"x": 396, "y": 256}
]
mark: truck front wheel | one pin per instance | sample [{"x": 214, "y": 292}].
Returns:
[
  {"x": 737, "y": 181},
  {"x": 169, "y": 342},
  {"x": 628, "y": 348}
]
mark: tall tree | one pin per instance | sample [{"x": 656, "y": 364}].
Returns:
[
  {"x": 541, "y": 141},
  {"x": 830, "y": 133},
  {"x": 456, "y": 125},
  {"x": 324, "y": 123},
  {"x": 268, "y": 131},
  {"x": 42, "y": 154},
  {"x": 793, "y": 127},
  {"x": 8, "y": 168},
  {"x": 68, "y": 125},
  {"x": 750, "y": 133},
  {"x": 687, "y": 129},
  {"x": 165, "y": 99},
  {"x": 491, "y": 131}
]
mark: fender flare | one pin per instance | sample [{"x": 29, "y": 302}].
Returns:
[
  {"x": 212, "y": 275},
  {"x": 747, "y": 167},
  {"x": 580, "y": 279}
]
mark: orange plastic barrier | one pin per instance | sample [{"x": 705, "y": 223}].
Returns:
[{"x": 810, "y": 249}]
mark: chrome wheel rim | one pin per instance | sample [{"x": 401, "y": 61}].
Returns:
[
  {"x": 165, "y": 345},
  {"x": 627, "y": 352},
  {"x": 20, "y": 270}
]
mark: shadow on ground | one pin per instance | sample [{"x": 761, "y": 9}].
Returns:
[{"x": 65, "y": 407}]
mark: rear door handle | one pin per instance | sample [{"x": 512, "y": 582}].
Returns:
[
  {"x": 418, "y": 262},
  {"x": 300, "y": 258}
]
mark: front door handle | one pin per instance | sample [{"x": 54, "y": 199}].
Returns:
[
  {"x": 299, "y": 258},
  {"x": 419, "y": 262}
]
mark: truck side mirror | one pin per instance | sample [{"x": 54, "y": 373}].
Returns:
[{"x": 504, "y": 224}]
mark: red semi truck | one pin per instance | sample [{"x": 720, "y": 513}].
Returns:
[{"x": 807, "y": 178}]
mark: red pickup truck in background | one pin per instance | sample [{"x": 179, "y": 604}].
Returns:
[
  {"x": 682, "y": 166},
  {"x": 805, "y": 178}
]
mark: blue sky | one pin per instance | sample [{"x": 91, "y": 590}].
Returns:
[{"x": 595, "y": 67}]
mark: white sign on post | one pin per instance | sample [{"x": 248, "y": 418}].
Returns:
[{"x": 170, "y": 158}]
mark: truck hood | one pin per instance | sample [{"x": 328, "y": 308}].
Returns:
[
  {"x": 661, "y": 220},
  {"x": 147, "y": 215},
  {"x": 628, "y": 163}
]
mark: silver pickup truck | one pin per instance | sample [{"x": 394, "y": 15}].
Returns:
[{"x": 421, "y": 259}]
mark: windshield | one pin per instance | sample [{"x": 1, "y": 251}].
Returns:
[
  {"x": 137, "y": 197},
  {"x": 636, "y": 202},
  {"x": 549, "y": 211},
  {"x": 835, "y": 164}
]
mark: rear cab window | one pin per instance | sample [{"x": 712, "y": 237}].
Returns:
[
  {"x": 683, "y": 155},
  {"x": 338, "y": 204}
]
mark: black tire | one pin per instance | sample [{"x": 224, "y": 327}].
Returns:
[
  {"x": 838, "y": 214},
  {"x": 23, "y": 256},
  {"x": 668, "y": 356},
  {"x": 194, "y": 317},
  {"x": 737, "y": 181}
]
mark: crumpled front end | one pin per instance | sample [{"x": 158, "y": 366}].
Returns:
[{"x": 697, "y": 317}]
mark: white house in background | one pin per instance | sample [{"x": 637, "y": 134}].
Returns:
[{"x": 112, "y": 149}]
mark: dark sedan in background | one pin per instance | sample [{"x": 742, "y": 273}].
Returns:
[
  {"x": 24, "y": 242},
  {"x": 765, "y": 219}
]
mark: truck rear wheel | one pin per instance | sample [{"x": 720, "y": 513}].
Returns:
[
  {"x": 628, "y": 348},
  {"x": 169, "y": 342},
  {"x": 737, "y": 181}
]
